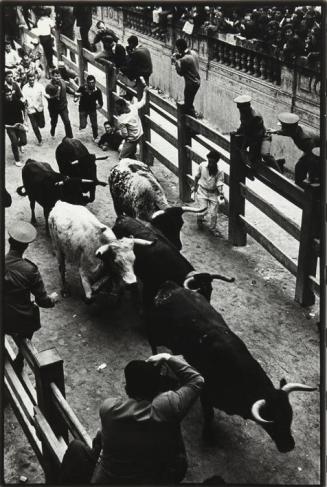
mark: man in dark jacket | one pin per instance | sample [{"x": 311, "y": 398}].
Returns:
[
  {"x": 22, "y": 277},
  {"x": 254, "y": 137},
  {"x": 187, "y": 65},
  {"x": 138, "y": 65},
  {"x": 13, "y": 116},
  {"x": 90, "y": 100},
  {"x": 83, "y": 16},
  {"x": 57, "y": 103}
]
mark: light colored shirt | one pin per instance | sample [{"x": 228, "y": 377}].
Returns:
[
  {"x": 11, "y": 59},
  {"x": 130, "y": 123},
  {"x": 44, "y": 26},
  {"x": 207, "y": 181},
  {"x": 34, "y": 96}
]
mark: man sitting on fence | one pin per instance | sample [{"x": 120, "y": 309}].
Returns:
[
  {"x": 130, "y": 125},
  {"x": 22, "y": 277},
  {"x": 254, "y": 137},
  {"x": 139, "y": 65}
]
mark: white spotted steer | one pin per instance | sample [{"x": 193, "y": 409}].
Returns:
[{"x": 80, "y": 238}]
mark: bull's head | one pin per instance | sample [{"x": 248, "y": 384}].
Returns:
[
  {"x": 275, "y": 414},
  {"x": 170, "y": 222},
  {"x": 201, "y": 282},
  {"x": 118, "y": 258}
]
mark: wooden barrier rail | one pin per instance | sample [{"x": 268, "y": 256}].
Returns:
[
  {"x": 190, "y": 129},
  {"x": 41, "y": 408}
]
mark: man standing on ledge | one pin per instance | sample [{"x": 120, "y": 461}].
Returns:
[{"x": 187, "y": 65}]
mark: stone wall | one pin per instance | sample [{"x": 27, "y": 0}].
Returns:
[{"x": 220, "y": 84}]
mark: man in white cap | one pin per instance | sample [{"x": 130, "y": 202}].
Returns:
[
  {"x": 254, "y": 137},
  {"x": 22, "y": 277},
  {"x": 306, "y": 141}
]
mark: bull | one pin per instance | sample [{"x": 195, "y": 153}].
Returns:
[
  {"x": 79, "y": 237},
  {"x": 235, "y": 382},
  {"x": 161, "y": 262},
  {"x": 136, "y": 192},
  {"x": 74, "y": 160},
  {"x": 45, "y": 186}
]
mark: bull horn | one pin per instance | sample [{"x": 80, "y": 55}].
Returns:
[
  {"x": 60, "y": 183},
  {"x": 157, "y": 213},
  {"x": 89, "y": 181},
  {"x": 222, "y": 278},
  {"x": 101, "y": 158},
  {"x": 74, "y": 162},
  {"x": 255, "y": 410},
  {"x": 292, "y": 386},
  {"x": 101, "y": 183},
  {"x": 145, "y": 243},
  {"x": 186, "y": 284},
  {"x": 192, "y": 209}
]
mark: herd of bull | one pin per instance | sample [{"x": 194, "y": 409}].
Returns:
[{"x": 144, "y": 247}]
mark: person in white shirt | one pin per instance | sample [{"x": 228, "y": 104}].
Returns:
[
  {"x": 34, "y": 94},
  {"x": 208, "y": 187},
  {"x": 45, "y": 27},
  {"x": 130, "y": 125},
  {"x": 12, "y": 59}
]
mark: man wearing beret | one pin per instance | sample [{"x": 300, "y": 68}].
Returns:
[
  {"x": 22, "y": 277},
  {"x": 304, "y": 140},
  {"x": 254, "y": 137}
]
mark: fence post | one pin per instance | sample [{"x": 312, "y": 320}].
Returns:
[
  {"x": 111, "y": 80},
  {"x": 184, "y": 158},
  {"x": 49, "y": 368},
  {"x": 307, "y": 259},
  {"x": 59, "y": 45},
  {"x": 82, "y": 65},
  {"x": 145, "y": 154},
  {"x": 236, "y": 228}
]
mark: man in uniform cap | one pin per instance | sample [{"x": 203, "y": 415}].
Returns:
[
  {"x": 306, "y": 141},
  {"x": 22, "y": 277},
  {"x": 254, "y": 137}
]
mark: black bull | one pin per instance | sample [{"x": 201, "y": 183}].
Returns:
[
  {"x": 235, "y": 382},
  {"x": 74, "y": 160},
  {"x": 161, "y": 262},
  {"x": 45, "y": 186}
]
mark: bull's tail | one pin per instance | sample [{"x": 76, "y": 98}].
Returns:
[{"x": 21, "y": 191}]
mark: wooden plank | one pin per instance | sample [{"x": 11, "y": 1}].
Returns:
[
  {"x": 269, "y": 246},
  {"x": 162, "y": 132},
  {"x": 70, "y": 64},
  {"x": 28, "y": 429},
  {"x": 30, "y": 353},
  {"x": 269, "y": 210},
  {"x": 237, "y": 175},
  {"x": 163, "y": 113},
  {"x": 200, "y": 128},
  {"x": 164, "y": 104},
  {"x": 203, "y": 141},
  {"x": 74, "y": 425},
  {"x": 25, "y": 380},
  {"x": 89, "y": 56},
  {"x": 282, "y": 185},
  {"x": 55, "y": 448},
  {"x": 167, "y": 163},
  {"x": 315, "y": 284},
  {"x": 20, "y": 393},
  {"x": 128, "y": 89},
  {"x": 69, "y": 43}
]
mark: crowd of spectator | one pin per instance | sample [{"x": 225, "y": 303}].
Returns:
[{"x": 289, "y": 30}]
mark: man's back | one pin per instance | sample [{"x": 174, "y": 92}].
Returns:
[{"x": 189, "y": 67}]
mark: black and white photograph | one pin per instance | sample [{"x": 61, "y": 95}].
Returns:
[{"x": 163, "y": 243}]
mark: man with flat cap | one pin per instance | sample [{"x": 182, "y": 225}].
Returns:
[
  {"x": 141, "y": 437},
  {"x": 254, "y": 137},
  {"x": 22, "y": 277},
  {"x": 306, "y": 141}
]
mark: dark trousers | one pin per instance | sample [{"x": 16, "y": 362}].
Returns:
[
  {"x": 129, "y": 149},
  {"x": 37, "y": 122},
  {"x": 46, "y": 43},
  {"x": 93, "y": 119},
  {"x": 140, "y": 87},
  {"x": 71, "y": 35},
  {"x": 78, "y": 463},
  {"x": 190, "y": 91},
  {"x": 84, "y": 32},
  {"x": 17, "y": 139},
  {"x": 64, "y": 117}
]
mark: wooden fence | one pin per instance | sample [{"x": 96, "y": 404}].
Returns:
[
  {"x": 190, "y": 129},
  {"x": 38, "y": 401}
]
